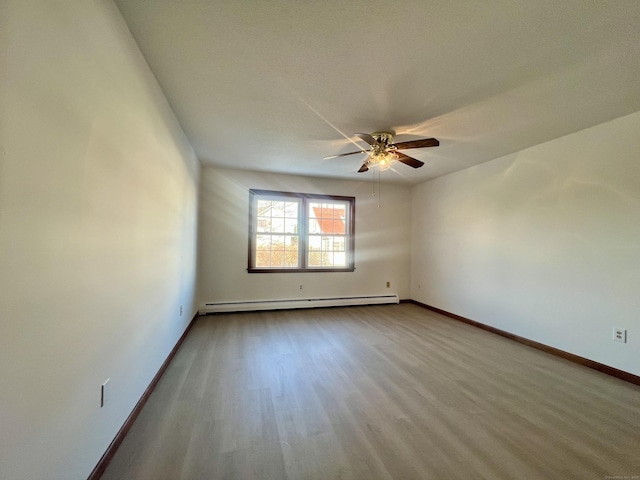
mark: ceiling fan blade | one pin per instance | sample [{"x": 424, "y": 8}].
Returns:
[
  {"x": 344, "y": 154},
  {"x": 367, "y": 138},
  {"x": 363, "y": 168},
  {"x": 407, "y": 160},
  {"x": 425, "y": 142}
]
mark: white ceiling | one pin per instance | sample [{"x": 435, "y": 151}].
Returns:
[{"x": 276, "y": 85}]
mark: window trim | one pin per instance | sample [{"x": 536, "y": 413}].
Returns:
[{"x": 304, "y": 234}]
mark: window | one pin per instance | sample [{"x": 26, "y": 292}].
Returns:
[{"x": 299, "y": 232}]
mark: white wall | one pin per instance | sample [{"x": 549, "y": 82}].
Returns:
[
  {"x": 544, "y": 243},
  {"x": 382, "y": 241},
  {"x": 98, "y": 211}
]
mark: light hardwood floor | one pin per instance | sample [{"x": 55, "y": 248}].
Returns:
[{"x": 380, "y": 392}]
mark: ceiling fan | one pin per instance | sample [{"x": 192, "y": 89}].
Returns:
[{"x": 383, "y": 152}]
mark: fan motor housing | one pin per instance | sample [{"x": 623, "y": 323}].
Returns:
[{"x": 384, "y": 138}]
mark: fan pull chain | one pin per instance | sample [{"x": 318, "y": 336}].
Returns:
[
  {"x": 379, "y": 191},
  {"x": 373, "y": 184}
]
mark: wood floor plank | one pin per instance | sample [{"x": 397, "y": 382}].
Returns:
[{"x": 380, "y": 392}]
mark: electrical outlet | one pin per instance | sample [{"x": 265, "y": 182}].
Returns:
[
  {"x": 300, "y": 286},
  {"x": 620, "y": 334},
  {"x": 180, "y": 310},
  {"x": 104, "y": 392},
  {"x": 388, "y": 284}
]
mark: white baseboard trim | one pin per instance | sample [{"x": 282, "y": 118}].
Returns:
[{"x": 245, "y": 306}]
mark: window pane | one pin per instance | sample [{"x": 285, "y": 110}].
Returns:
[
  {"x": 278, "y": 209},
  {"x": 263, "y": 242},
  {"x": 291, "y": 251},
  {"x": 263, "y": 258},
  {"x": 315, "y": 259},
  {"x": 263, "y": 206},
  {"x": 291, "y": 210},
  {"x": 327, "y": 251},
  {"x": 264, "y": 224},
  {"x": 277, "y": 251},
  {"x": 314, "y": 226},
  {"x": 328, "y": 259},
  {"x": 315, "y": 242},
  {"x": 277, "y": 258},
  {"x": 327, "y": 218},
  {"x": 291, "y": 225},
  {"x": 277, "y": 225}
]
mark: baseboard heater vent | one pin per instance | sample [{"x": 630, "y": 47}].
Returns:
[{"x": 296, "y": 303}]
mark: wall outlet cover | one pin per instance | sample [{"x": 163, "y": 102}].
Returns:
[
  {"x": 103, "y": 392},
  {"x": 620, "y": 334}
]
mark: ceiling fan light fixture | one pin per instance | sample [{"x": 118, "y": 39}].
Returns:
[
  {"x": 384, "y": 165},
  {"x": 383, "y": 159}
]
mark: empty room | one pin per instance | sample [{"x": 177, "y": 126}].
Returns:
[{"x": 319, "y": 240}]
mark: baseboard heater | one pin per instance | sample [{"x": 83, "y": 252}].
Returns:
[{"x": 220, "y": 307}]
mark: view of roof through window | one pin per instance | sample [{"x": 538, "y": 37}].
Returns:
[{"x": 327, "y": 218}]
